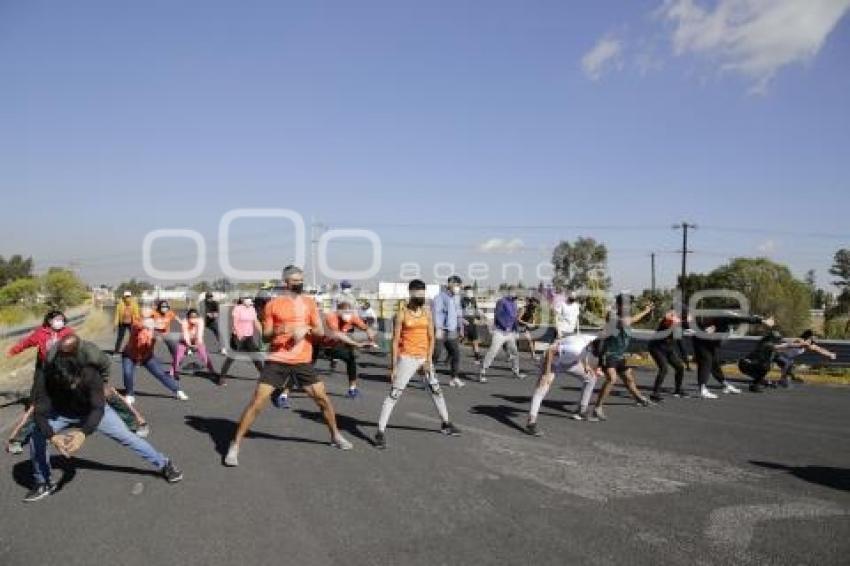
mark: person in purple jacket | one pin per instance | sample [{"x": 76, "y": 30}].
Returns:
[{"x": 505, "y": 323}]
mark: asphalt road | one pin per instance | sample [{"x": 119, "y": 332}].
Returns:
[{"x": 748, "y": 479}]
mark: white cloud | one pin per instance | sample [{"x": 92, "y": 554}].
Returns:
[
  {"x": 499, "y": 245},
  {"x": 754, "y": 38},
  {"x": 767, "y": 247},
  {"x": 605, "y": 53}
]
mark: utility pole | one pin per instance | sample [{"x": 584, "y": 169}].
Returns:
[
  {"x": 684, "y": 227},
  {"x": 316, "y": 229},
  {"x": 652, "y": 258}
]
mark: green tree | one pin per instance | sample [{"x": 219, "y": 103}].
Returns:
[
  {"x": 63, "y": 288},
  {"x": 769, "y": 286},
  {"x": 202, "y": 286},
  {"x": 21, "y": 291},
  {"x": 841, "y": 268},
  {"x": 16, "y": 267},
  {"x": 577, "y": 264},
  {"x": 222, "y": 284},
  {"x": 137, "y": 287}
]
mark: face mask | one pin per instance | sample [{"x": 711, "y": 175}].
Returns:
[
  {"x": 297, "y": 288},
  {"x": 164, "y": 310},
  {"x": 416, "y": 302},
  {"x": 346, "y": 316},
  {"x": 57, "y": 324}
]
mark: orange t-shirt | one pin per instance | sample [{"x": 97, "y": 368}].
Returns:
[
  {"x": 333, "y": 321},
  {"x": 291, "y": 312},
  {"x": 414, "y": 335}
]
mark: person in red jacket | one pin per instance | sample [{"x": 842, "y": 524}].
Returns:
[{"x": 52, "y": 329}]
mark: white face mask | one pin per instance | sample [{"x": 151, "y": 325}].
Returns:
[{"x": 57, "y": 324}]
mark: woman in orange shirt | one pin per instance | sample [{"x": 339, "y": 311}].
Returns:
[
  {"x": 413, "y": 348},
  {"x": 163, "y": 316}
]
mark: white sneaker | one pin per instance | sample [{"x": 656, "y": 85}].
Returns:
[
  {"x": 342, "y": 443},
  {"x": 481, "y": 377},
  {"x": 456, "y": 382},
  {"x": 704, "y": 393},
  {"x": 232, "y": 458},
  {"x": 729, "y": 388},
  {"x": 131, "y": 399},
  {"x": 182, "y": 396},
  {"x": 520, "y": 375}
]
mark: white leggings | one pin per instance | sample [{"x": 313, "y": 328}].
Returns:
[
  {"x": 499, "y": 339},
  {"x": 577, "y": 371},
  {"x": 405, "y": 369}
]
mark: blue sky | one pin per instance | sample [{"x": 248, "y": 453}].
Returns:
[{"x": 458, "y": 131}]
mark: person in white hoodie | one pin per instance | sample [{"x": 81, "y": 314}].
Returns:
[{"x": 567, "y": 313}]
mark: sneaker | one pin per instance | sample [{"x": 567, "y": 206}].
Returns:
[
  {"x": 729, "y": 388},
  {"x": 232, "y": 458},
  {"x": 656, "y": 398},
  {"x": 644, "y": 402},
  {"x": 353, "y": 393},
  {"x": 181, "y": 395},
  {"x": 456, "y": 382},
  {"x": 532, "y": 430},
  {"x": 756, "y": 388},
  {"x": 449, "y": 429},
  {"x": 681, "y": 395},
  {"x": 40, "y": 491},
  {"x": 342, "y": 443},
  {"x": 14, "y": 447},
  {"x": 482, "y": 378},
  {"x": 143, "y": 431},
  {"x": 771, "y": 384},
  {"x": 704, "y": 393},
  {"x": 520, "y": 375},
  {"x": 598, "y": 415},
  {"x": 130, "y": 399},
  {"x": 579, "y": 415},
  {"x": 380, "y": 440},
  {"x": 477, "y": 361},
  {"x": 281, "y": 402},
  {"x": 171, "y": 473}
]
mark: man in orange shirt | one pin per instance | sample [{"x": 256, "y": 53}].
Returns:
[
  {"x": 288, "y": 323},
  {"x": 342, "y": 347}
]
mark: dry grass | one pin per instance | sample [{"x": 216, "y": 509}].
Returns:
[{"x": 16, "y": 372}]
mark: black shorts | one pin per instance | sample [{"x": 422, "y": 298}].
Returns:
[
  {"x": 281, "y": 376},
  {"x": 247, "y": 344},
  {"x": 618, "y": 364},
  {"x": 471, "y": 329}
]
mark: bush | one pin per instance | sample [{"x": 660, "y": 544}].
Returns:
[{"x": 836, "y": 327}]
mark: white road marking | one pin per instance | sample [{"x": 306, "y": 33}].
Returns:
[{"x": 597, "y": 471}]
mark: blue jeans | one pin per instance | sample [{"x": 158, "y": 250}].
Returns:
[
  {"x": 111, "y": 425},
  {"x": 152, "y": 365}
]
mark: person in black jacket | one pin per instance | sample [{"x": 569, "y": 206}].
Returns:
[
  {"x": 758, "y": 363},
  {"x": 666, "y": 350},
  {"x": 70, "y": 393},
  {"x": 710, "y": 332}
]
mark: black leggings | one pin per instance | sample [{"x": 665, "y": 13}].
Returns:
[
  {"x": 451, "y": 346},
  {"x": 341, "y": 352},
  {"x": 122, "y": 330},
  {"x": 708, "y": 364},
  {"x": 664, "y": 356}
]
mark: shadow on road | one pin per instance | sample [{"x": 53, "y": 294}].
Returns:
[
  {"x": 353, "y": 426},
  {"x": 548, "y": 403},
  {"x": 836, "y": 478},
  {"x": 501, "y": 413},
  {"x": 221, "y": 432},
  {"x": 22, "y": 471}
]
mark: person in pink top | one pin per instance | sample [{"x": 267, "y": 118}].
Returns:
[
  {"x": 244, "y": 335},
  {"x": 192, "y": 338}
]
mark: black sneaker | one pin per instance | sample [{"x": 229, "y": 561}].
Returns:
[
  {"x": 531, "y": 429},
  {"x": 170, "y": 473},
  {"x": 40, "y": 491},
  {"x": 380, "y": 440},
  {"x": 450, "y": 430},
  {"x": 756, "y": 388},
  {"x": 681, "y": 394},
  {"x": 655, "y": 397}
]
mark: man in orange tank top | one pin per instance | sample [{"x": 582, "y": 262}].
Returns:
[{"x": 289, "y": 322}]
